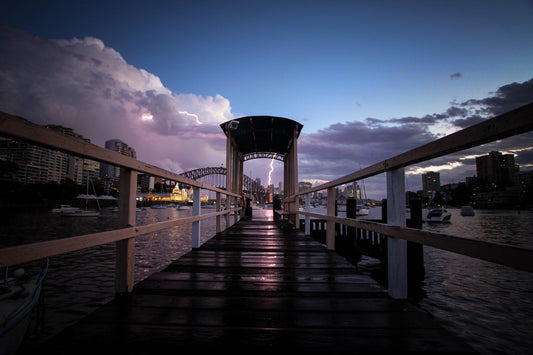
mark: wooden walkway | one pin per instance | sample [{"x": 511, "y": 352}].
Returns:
[{"x": 255, "y": 289}]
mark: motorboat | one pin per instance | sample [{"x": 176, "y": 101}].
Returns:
[
  {"x": 63, "y": 208},
  {"x": 438, "y": 215},
  {"x": 18, "y": 296},
  {"x": 80, "y": 213},
  {"x": 467, "y": 211}
]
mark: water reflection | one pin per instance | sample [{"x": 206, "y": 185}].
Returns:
[{"x": 81, "y": 281}]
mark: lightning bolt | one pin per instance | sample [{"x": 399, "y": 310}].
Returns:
[
  {"x": 270, "y": 172},
  {"x": 192, "y": 115}
]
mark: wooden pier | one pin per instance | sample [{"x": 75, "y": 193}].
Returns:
[{"x": 256, "y": 288}]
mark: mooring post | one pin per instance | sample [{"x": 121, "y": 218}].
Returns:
[
  {"x": 307, "y": 218},
  {"x": 415, "y": 251},
  {"x": 396, "y": 248},
  {"x": 125, "y": 249},
  {"x": 330, "y": 227},
  {"x": 196, "y": 212}
]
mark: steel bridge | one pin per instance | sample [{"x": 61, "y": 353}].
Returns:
[{"x": 216, "y": 176}]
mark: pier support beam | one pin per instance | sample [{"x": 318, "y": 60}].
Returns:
[
  {"x": 396, "y": 248},
  {"x": 125, "y": 249},
  {"x": 290, "y": 181},
  {"x": 218, "y": 228}
]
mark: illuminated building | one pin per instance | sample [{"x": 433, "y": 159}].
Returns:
[
  {"x": 430, "y": 184},
  {"x": 496, "y": 168}
]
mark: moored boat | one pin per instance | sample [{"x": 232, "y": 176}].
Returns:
[
  {"x": 438, "y": 215},
  {"x": 80, "y": 213},
  {"x": 63, "y": 208},
  {"x": 18, "y": 296},
  {"x": 360, "y": 210}
]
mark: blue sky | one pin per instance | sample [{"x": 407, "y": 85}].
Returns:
[{"x": 327, "y": 64}]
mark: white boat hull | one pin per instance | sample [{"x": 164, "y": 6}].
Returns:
[
  {"x": 16, "y": 303},
  {"x": 439, "y": 215},
  {"x": 80, "y": 213}
]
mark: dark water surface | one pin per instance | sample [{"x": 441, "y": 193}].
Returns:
[{"x": 488, "y": 305}]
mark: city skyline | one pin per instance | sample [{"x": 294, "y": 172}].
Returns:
[{"x": 367, "y": 81}]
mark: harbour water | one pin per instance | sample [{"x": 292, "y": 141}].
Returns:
[{"x": 489, "y": 306}]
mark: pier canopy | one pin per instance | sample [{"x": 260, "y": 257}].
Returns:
[
  {"x": 253, "y": 137},
  {"x": 262, "y": 136}
]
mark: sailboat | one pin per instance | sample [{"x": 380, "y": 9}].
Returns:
[
  {"x": 360, "y": 209},
  {"x": 85, "y": 212}
]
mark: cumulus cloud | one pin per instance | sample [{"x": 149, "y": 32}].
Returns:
[
  {"x": 85, "y": 85},
  {"x": 506, "y": 98}
]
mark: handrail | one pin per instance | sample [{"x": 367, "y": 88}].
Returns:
[
  {"x": 34, "y": 251},
  {"x": 17, "y": 127},
  {"x": 503, "y": 254}
]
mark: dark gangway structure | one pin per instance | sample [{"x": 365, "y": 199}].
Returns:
[{"x": 256, "y": 288}]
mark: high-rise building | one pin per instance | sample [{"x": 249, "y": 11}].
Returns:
[
  {"x": 111, "y": 173},
  {"x": 430, "y": 184},
  {"x": 36, "y": 164},
  {"x": 72, "y": 167},
  {"x": 116, "y": 145},
  {"x": 496, "y": 168}
]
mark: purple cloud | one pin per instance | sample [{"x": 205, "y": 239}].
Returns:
[{"x": 85, "y": 85}]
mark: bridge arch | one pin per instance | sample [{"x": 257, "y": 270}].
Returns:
[{"x": 249, "y": 184}]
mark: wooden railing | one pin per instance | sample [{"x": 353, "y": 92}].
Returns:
[
  {"x": 124, "y": 236},
  {"x": 506, "y": 125}
]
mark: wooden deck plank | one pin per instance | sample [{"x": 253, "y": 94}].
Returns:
[{"x": 257, "y": 289}]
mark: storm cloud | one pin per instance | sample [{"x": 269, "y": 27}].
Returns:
[{"x": 85, "y": 85}]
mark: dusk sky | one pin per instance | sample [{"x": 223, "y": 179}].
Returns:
[{"x": 368, "y": 80}]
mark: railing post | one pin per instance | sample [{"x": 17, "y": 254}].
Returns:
[
  {"x": 196, "y": 212},
  {"x": 330, "y": 227},
  {"x": 307, "y": 218},
  {"x": 396, "y": 248},
  {"x": 219, "y": 208},
  {"x": 125, "y": 249},
  {"x": 236, "y": 215},
  {"x": 228, "y": 206}
]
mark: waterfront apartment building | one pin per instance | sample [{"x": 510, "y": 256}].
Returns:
[
  {"x": 35, "y": 164},
  {"x": 110, "y": 174},
  {"x": 496, "y": 168},
  {"x": 430, "y": 184}
]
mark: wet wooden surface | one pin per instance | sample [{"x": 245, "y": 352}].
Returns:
[{"x": 257, "y": 289}]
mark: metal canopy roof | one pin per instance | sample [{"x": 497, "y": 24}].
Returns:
[{"x": 262, "y": 134}]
